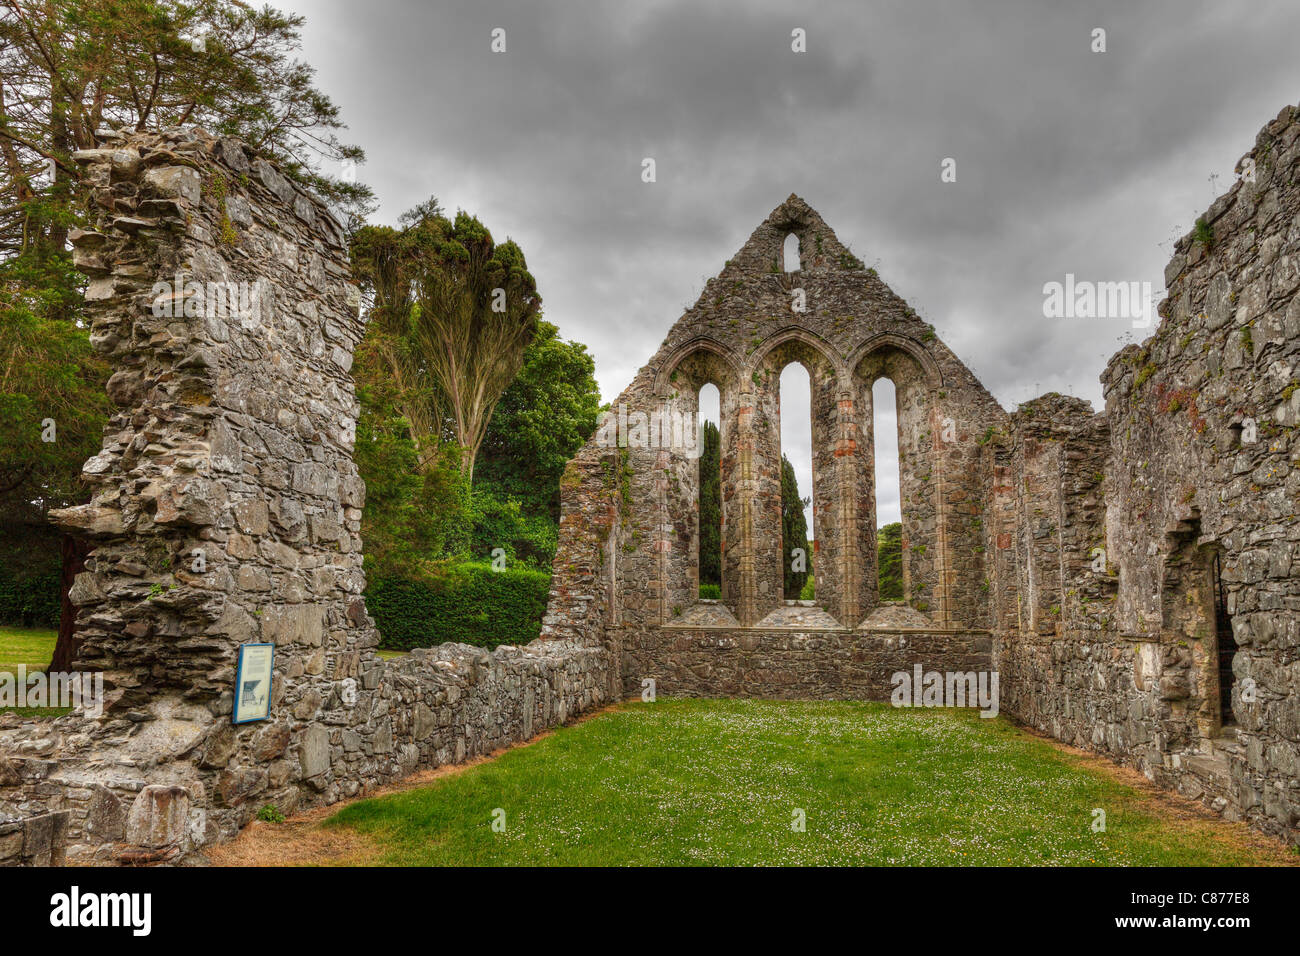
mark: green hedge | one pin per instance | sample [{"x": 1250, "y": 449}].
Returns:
[
  {"x": 31, "y": 601},
  {"x": 469, "y": 603}
]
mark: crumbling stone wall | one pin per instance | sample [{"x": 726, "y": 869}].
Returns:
[
  {"x": 1073, "y": 552},
  {"x": 226, "y": 509},
  {"x": 837, "y": 318},
  {"x": 1202, "y": 422}
]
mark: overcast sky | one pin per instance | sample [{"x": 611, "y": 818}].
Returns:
[{"x": 1067, "y": 161}]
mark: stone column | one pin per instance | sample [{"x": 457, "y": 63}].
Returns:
[
  {"x": 860, "y": 458},
  {"x": 751, "y": 492},
  {"x": 833, "y": 442}
]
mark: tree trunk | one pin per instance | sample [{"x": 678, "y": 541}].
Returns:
[{"x": 74, "y": 562}]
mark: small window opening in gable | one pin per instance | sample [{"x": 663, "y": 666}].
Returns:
[{"x": 790, "y": 253}]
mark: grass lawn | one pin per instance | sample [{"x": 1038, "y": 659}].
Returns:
[
  {"x": 719, "y": 782},
  {"x": 34, "y": 648},
  {"x": 20, "y": 645}
]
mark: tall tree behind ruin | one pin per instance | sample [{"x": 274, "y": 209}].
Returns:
[
  {"x": 477, "y": 310},
  {"x": 453, "y": 313},
  {"x": 710, "y": 507},
  {"x": 794, "y": 532}
]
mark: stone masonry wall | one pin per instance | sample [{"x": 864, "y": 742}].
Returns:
[
  {"x": 1080, "y": 555},
  {"x": 1200, "y": 471},
  {"x": 640, "y": 481},
  {"x": 226, "y": 509},
  {"x": 792, "y": 664}
]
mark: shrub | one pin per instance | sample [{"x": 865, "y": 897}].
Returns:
[
  {"x": 711, "y": 592},
  {"x": 502, "y": 523},
  {"x": 468, "y": 603},
  {"x": 33, "y": 601}
]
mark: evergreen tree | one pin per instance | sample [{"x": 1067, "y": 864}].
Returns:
[
  {"x": 710, "y": 507},
  {"x": 794, "y": 532},
  {"x": 889, "y": 559}
]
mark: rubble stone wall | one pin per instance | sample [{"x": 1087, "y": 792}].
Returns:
[
  {"x": 1101, "y": 564},
  {"x": 1200, "y": 524},
  {"x": 793, "y": 664},
  {"x": 226, "y": 509}
]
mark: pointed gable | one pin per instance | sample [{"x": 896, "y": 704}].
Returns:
[{"x": 819, "y": 248}]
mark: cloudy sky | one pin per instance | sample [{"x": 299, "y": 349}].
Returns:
[{"x": 1067, "y": 160}]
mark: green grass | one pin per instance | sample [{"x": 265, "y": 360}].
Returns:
[
  {"x": 718, "y": 782},
  {"x": 32, "y": 648},
  {"x": 20, "y": 645}
]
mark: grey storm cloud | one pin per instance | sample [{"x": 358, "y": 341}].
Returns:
[{"x": 1068, "y": 161}]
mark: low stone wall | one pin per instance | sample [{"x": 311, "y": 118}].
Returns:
[
  {"x": 1092, "y": 690},
  {"x": 1124, "y": 697},
  {"x": 154, "y": 785},
  {"x": 792, "y": 664}
]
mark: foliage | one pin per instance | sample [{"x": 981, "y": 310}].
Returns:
[
  {"x": 542, "y": 419},
  {"x": 501, "y": 524},
  {"x": 270, "y": 813},
  {"x": 1203, "y": 233},
  {"x": 72, "y": 67},
  {"x": 30, "y": 600},
  {"x": 710, "y": 592},
  {"x": 416, "y": 513},
  {"x": 710, "y": 508},
  {"x": 48, "y": 373},
  {"x": 794, "y": 531},
  {"x": 469, "y": 603},
  {"x": 453, "y": 313},
  {"x": 889, "y": 558}
]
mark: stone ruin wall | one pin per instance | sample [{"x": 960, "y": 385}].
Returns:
[
  {"x": 235, "y": 438},
  {"x": 739, "y": 335},
  {"x": 226, "y": 509},
  {"x": 1131, "y": 672}
]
